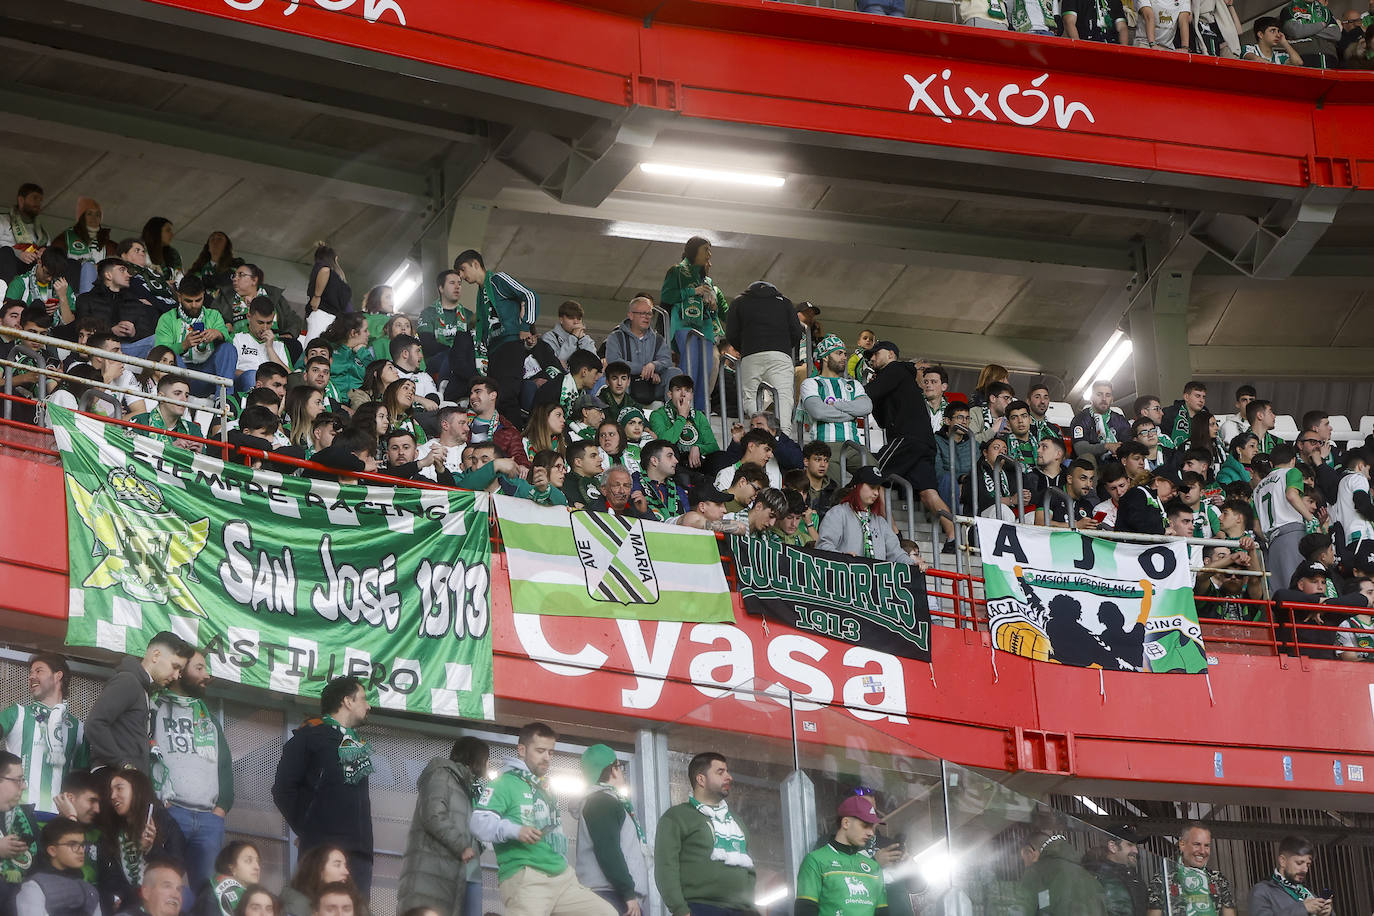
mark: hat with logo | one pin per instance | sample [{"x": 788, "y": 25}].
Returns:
[
  {"x": 860, "y": 806},
  {"x": 1126, "y": 832},
  {"x": 630, "y": 413},
  {"x": 829, "y": 344},
  {"x": 1309, "y": 570},
  {"x": 595, "y": 759},
  {"x": 883, "y": 345},
  {"x": 867, "y": 474}
]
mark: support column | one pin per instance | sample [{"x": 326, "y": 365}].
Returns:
[
  {"x": 1159, "y": 335},
  {"x": 463, "y": 225},
  {"x": 650, "y": 777}
]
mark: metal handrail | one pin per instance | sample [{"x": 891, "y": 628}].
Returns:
[
  {"x": 57, "y": 342},
  {"x": 758, "y": 400},
  {"x": 38, "y": 365},
  {"x": 661, "y": 320},
  {"x": 107, "y": 386},
  {"x": 87, "y": 399}
]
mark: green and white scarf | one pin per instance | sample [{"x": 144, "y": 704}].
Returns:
[
  {"x": 1195, "y": 888},
  {"x": 16, "y": 822},
  {"x": 131, "y": 858},
  {"x": 228, "y": 890},
  {"x": 1104, "y": 429},
  {"x": 1310, "y": 11},
  {"x": 355, "y": 754},
  {"x": 730, "y": 847},
  {"x": 627, "y": 804},
  {"x": 866, "y": 523},
  {"x": 1291, "y": 888},
  {"x": 545, "y": 817}
]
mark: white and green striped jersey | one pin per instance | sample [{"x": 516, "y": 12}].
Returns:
[
  {"x": 51, "y": 743},
  {"x": 1354, "y": 525},
  {"x": 1272, "y": 507},
  {"x": 831, "y": 390}
]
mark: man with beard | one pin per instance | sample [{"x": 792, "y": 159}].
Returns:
[
  {"x": 192, "y": 769},
  {"x": 22, "y": 239},
  {"x": 1116, "y": 867},
  {"x": 1284, "y": 893},
  {"x": 44, "y": 733},
  {"x": 701, "y": 852},
  {"x": 910, "y": 448}
]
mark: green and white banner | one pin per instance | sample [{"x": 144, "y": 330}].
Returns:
[
  {"x": 283, "y": 582},
  {"x": 597, "y": 564},
  {"x": 1060, "y": 596}
]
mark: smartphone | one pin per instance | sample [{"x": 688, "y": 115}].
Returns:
[
  {"x": 150, "y": 813},
  {"x": 198, "y": 325}
]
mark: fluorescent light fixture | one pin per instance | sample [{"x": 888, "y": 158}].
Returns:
[
  {"x": 1118, "y": 359},
  {"x": 1092, "y": 806},
  {"x": 1090, "y": 374},
  {"x": 772, "y": 897},
  {"x": 404, "y": 281},
  {"x": 726, "y": 176}
]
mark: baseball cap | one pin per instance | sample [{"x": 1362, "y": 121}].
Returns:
[
  {"x": 808, "y": 307},
  {"x": 867, "y": 474},
  {"x": 708, "y": 494},
  {"x": 595, "y": 759},
  {"x": 883, "y": 345},
  {"x": 1309, "y": 570},
  {"x": 829, "y": 344},
  {"x": 584, "y": 401},
  {"x": 1126, "y": 832},
  {"x": 860, "y": 806}
]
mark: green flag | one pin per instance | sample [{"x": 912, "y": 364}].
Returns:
[
  {"x": 598, "y": 564},
  {"x": 283, "y": 582},
  {"x": 1065, "y": 597}
]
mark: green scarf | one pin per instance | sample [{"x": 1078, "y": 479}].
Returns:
[
  {"x": 1291, "y": 888},
  {"x": 1194, "y": 886},
  {"x": 546, "y": 817},
  {"x": 629, "y": 807},
  {"x": 866, "y": 523},
  {"x": 730, "y": 846},
  {"x": 355, "y": 754},
  {"x": 17, "y": 823},
  {"x": 131, "y": 858},
  {"x": 1310, "y": 11}
]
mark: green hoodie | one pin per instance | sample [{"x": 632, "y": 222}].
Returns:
[{"x": 1056, "y": 884}]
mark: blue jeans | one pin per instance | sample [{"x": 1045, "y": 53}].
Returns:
[
  {"x": 204, "y": 832},
  {"x": 246, "y": 381},
  {"x": 138, "y": 348},
  {"x": 695, "y": 357},
  {"x": 221, "y": 362},
  {"x": 472, "y": 899}
]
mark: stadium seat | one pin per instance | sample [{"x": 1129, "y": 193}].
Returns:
[
  {"x": 1285, "y": 427},
  {"x": 1341, "y": 431},
  {"x": 1060, "y": 412},
  {"x": 1366, "y": 427}
]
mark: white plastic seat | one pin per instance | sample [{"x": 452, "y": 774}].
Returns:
[
  {"x": 1285, "y": 427},
  {"x": 1060, "y": 412}
]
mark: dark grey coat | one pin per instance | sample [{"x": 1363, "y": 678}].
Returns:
[{"x": 433, "y": 873}]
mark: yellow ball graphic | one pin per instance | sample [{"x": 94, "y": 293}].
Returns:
[{"x": 1023, "y": 639}]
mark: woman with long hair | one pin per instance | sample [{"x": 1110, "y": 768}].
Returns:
[
  {"x": 148, "y": 378},
  {"x": 695, "y": 303},
  {"x": 328, "y": 289},
  {"x": 257, "y": 900},
  {"x": 303, "y": 404},
  {"x": 347, "y": 334},
  {"x": 317, "y": 867},
  {"x": 1202, "y": 434},
  {"x": 858, "y": 524},
  {"x": 86, "y": 243},
  {"x": 616, "y": 452},
  {"x": 134, "y": 827},
  {"x": 157, "y": 237},
  {"x": 373, "y": 420},
  {"x": 379, "y": 374},
  {"x": 399, "y": 401},
  {"x": 379, "y": 307},
  {"x": 989, "y": 374},
  {"x": 216, "y": 262},
  {"x": 544, "y": 431},
  {"x": 237, "y": 867},
  {"x": 440, "y": 870}
]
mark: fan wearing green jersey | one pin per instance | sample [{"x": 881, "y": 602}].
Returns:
[
  {"x": 518, "y": 815},
  {"x": 44, "y": 734},
  {"x": 839, "y": 879},
  {"x": 833, "y": 405}
]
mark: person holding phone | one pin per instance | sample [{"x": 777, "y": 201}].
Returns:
[
  {"x": 18, "y": 829},
  {"x": 197, "y": 335},
  {"x": 1285, "y": 892}
]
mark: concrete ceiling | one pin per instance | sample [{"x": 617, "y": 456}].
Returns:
[{"x": 1007, "y": 266}]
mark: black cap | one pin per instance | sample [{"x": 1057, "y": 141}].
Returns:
[
  {"x": 867, "y": 474},
  {"x": 1126, "y": 832},
  {"x": 809, "y": 306},
  {"x": 883, "y": 345},
  {"x": 1170, "y": 476},
  {"x": 706, "y": 493},
  {"x": 1310, "y": 570}
]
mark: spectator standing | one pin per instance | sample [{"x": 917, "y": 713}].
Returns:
[
  {"x": 1057, "y": 881},
  {"x": 1352, "y": 509},
  {"x": 44, "y": 733},
  {"x": 701, "y": 851},
  {"x": 910, "y": 448},
  {"x": 518, "y": 815},
  {"x": 503, "y": 327},
  {"x": 1260, "y": 415},
  {"x": 1176, "y": 424},
  {"x": 1116, "y": 866},
  {"x": 136, "y": 832},
  {"x": 612, "y": 850},
  {"x": 1163, "y": 24},
  {"x": 442, "y": 322},
  {"x": 193, "y": 770},
  {"x": 1283, "y": 516},
  {"x": 983, "y": 14},
  {"x": 858, "y": 524},
  {"x": 694, "y": 303},
  {"x": 934, "y": 385},
  {"x": 857, "y": 367},
  {"x": 1192, "y": 886},
  {"x": 1285, "y": 891},
  {"x": 1093, "y": 20},
  {"x": 57, "y": 886},
  {"x": 1039, "y": 400},
  {"x": 834, "y": 404},
  {"x": 321, "y": 787},
  {"x": 636, "y": 344},
  {"x": 763, "y": 326},
  {"x": 21, "y": 235},
  {"x": 1313, "y": 30},
  {"x": 840, "y": 877},
  {"x": 1097, "y": 429},
  {"x": 117, "y": 726},
  {"x": 441, "y": 869},
  {"x": 327, "y": 291},
  {"x": 1218, "y": 28}
]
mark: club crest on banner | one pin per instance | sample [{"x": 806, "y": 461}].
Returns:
[{"x": 614, "y": 554}]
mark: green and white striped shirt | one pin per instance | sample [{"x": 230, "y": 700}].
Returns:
[
  {"x": 51, "y": 743},
  {"x": 831, "y": 390}
]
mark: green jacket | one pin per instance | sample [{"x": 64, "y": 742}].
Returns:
[
  {"x": 686, "y": 308},
  {"x": 504, "y": 309},
  {"x": 173, "y": 326},
  {"x": 667, "y": 424},
  {"x": 686, "y": 873},
  {"x": 348, "y": 367},
  {"x": 1232, "y": 471},
  {"x": 1057, "y": 885}
]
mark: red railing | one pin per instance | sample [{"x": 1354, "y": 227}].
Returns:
[{"x": 968, "y": 609}]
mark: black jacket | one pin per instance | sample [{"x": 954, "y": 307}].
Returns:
[
  {"x": 103, "y": 304},
  {"x": 312, "y": 795},
  {"x": 763, "y": 320},
  {"x": 1136, "y": 515},
  {"x": 111, "y": 881},
  {"x": 897, "y": 406}
]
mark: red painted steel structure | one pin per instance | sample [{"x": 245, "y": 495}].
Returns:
[
  {"x": 998, "y": 712},
  {"x": 755, "y": 62}
]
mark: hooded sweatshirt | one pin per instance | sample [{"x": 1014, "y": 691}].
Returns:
[
  {"x": 612, "y": 851},
  {"x": 192, "y": 767},
  {"x": 623, "y": 346},
  {"x": 117, "y": 727}
]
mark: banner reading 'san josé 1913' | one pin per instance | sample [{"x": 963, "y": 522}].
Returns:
[
  {"x": 1064, "y": 597},
  {"x": 283, "y": 582}
]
